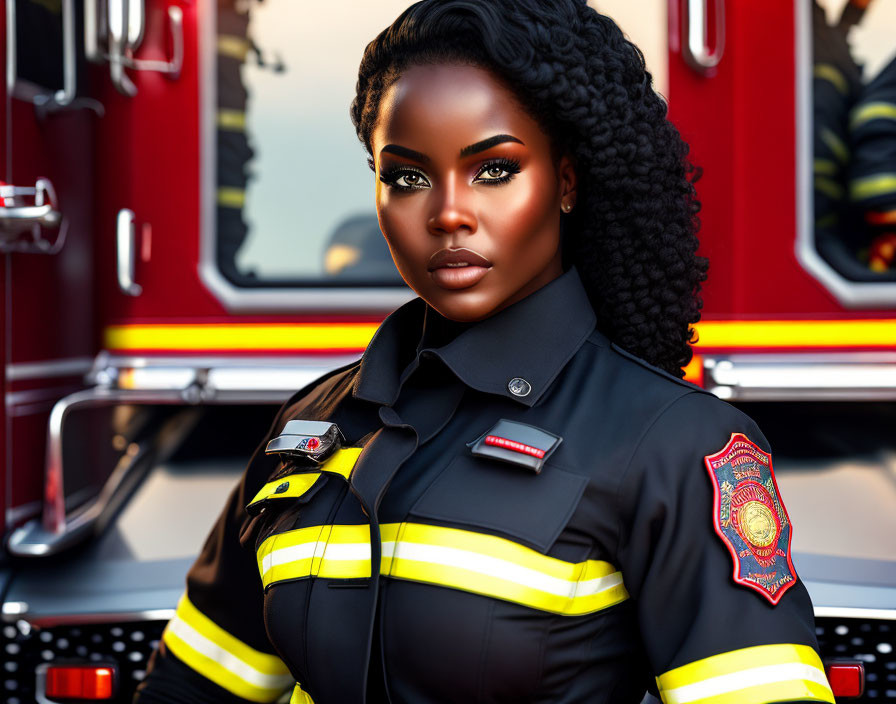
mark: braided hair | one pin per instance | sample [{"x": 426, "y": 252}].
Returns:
[{"x": 632, "y": 235}]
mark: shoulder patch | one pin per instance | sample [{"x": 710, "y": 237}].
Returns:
[
  {"x": 656, "y": 370},
  {"x": 750, "y": 518}
]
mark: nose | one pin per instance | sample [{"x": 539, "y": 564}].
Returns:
[{"x": 452, "y": 211}]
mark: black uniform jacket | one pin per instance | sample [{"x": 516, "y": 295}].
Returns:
[{"x": 521, "y": 512}]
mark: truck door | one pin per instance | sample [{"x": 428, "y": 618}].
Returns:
[{"x": 46, "y": 234}]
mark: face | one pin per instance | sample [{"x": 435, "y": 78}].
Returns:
[{"x": 468, "y": 191}]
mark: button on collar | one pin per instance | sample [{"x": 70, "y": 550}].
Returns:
[{"x": 519, "y": 387}]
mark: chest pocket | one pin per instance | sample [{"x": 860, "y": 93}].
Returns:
[
  {"x": 522, "y": 506},
  {"x": 486, "y": 528}
]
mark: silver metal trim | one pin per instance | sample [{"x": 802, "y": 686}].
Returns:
[
  {"x": 125, "y": 234},
  {"x": 73, "y": 366},
  {"x": 697, "y": 54},
  {"x": 49, "y": 621},
  {"x": 16, "y": 218},
  {"x": 91, "y": 31},
  {"x": 32, "y": 396},
  {"x": 16, "y": 514},
  {"x": 806, "y": 376},
  {"x": 32, "y": 540},
  {"x": 118, "y": 18},
  {"x": 854, "y": 612},
  {"x": 11, "y": 67},
  {"x": 852, "y": 294},
  {"x": 69, "y": 67},
  {"x": 232, "y": 297}
]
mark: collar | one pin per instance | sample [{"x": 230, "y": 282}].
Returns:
[{"x": 527, "y": 343}]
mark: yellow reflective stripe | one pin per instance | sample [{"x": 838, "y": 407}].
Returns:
[
  {"x": 828, "y": 187},
  {"x": 757, "y": 675},
  {"x": 873, "y": 186},
  {"x": 826, "y": 72},
  {"x": 824, "y": 166},
  {"x": 342, "y": 462},
  {"x": 449, "y": 557},
  {"x": 796, "y": 333},
  {"x": 296, "y": 485},
  {"x": 500, "y": 568},
  {"x": 300, "y": 696},
  {"x": 234, "y": 46},
  {"x": 835, "y": 144},
  {"x": 229, "y": 197},
  {"x": 234, "y": 120},
  {"x": 335, "y": 552},
  {"x": 872, "y": 111},
  {"x": 225, "y": 660},
  {"x": 287, "y": 336}
]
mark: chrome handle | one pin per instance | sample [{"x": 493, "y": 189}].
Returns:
[
  {"x": 26, "y": 210},
  {"x": 69, "y": 66},
  {"x": 125, "y": 236},
  {"x": 697, "y": 54},
  {"x": 118, "y": 32},
  {"x": 125, "y": 32}
]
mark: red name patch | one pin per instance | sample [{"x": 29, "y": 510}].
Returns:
[{"x": 514, "y": 445}]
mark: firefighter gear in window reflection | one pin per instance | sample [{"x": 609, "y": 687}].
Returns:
[
  {"x": 854, "y": 162},
  {"x": 407, "y": 568}
]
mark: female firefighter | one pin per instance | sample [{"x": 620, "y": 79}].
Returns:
[{"x": 512, "y": 496}]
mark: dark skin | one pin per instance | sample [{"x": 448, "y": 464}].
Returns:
[{"x": 469, "y": 193}]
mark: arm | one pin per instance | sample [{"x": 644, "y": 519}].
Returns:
[{"x": 704, "y": 549}]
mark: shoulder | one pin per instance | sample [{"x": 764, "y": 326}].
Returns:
[
  {"x": 320, "y": 396},
  {"x": 317, "y": 400}
]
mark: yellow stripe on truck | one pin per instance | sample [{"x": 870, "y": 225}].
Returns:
[{"x": 211, "y": 337}]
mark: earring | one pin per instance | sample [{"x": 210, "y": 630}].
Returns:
[{"x": 566, "y": 207}]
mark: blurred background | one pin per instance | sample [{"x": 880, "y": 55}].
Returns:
[{"x": 188, "y": 237}]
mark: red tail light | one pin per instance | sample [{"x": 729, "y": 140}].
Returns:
[
  {"x": 847, "y": 679},
  {"x": 80, "y": 682}
]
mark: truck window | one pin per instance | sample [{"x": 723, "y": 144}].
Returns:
[
  {"x": 853, "y": 66},
  {"x": 294, "y": 194}
]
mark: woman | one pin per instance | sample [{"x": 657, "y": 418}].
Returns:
[{"x": 512, "y": 496}]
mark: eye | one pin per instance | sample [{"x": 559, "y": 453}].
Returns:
[
  {"x": 498, "y": 171},
  {"x": 405, "y": 179}
]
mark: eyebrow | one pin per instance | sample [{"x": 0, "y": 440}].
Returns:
[{"x": 466, "y": 151}]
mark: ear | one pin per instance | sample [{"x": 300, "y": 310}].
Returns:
[{"x": 566, "y": 173}]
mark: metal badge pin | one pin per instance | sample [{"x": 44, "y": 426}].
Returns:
[
  {"x": 519, "y": 386},
  {"x": 311, "y": 439}
]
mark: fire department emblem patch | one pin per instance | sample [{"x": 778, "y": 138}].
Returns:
[{"x": 750, "y": 518}]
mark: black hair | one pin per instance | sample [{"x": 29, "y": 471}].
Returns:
[{"x": 632, "y": 234}]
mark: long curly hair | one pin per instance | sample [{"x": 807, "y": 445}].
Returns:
[{"x": 632, "y": 235}]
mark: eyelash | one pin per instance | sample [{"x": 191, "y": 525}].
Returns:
[{"x": 511, "y": 166}]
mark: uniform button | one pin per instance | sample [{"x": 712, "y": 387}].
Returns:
[
  {"x": 519, "y": 386},
  {"x": 283, "y": 487}
]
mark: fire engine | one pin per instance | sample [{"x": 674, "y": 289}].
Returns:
[{"x": 188, "y": 237}]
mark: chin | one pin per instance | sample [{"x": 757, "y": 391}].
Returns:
[{"x": 462, "y": 307}]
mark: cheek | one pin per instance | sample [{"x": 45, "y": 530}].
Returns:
[{"x": 525, "y": 211}]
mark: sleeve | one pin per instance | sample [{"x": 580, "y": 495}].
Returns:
[
  {"x": 215, "y": 649},
  {"x": 704, "y": 548}
]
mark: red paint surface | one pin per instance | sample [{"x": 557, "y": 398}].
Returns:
[{"x": 741, "y": 126}]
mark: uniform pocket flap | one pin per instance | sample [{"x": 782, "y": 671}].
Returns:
[
  {"x": 530, "y": 508},
  {"x": 292, "y": 486}
]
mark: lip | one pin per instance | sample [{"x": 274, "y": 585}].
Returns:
[
  {"x": 460, "y": 268},
  {"x": 461, "y": 255}
]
